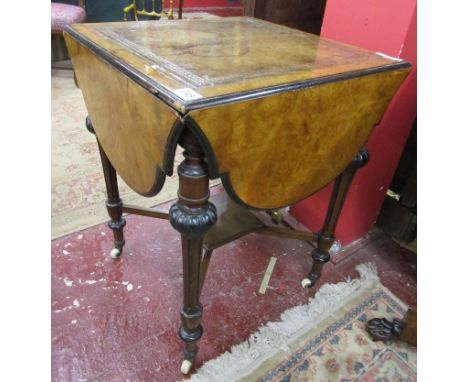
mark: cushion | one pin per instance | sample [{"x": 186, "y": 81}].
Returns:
[{"x": 64, "y": 14}]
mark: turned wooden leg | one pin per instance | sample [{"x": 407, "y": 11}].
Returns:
[
  {"x": 192, "y": 215},
  {"x": 113, "y": 203},
  {"x": 326, "y": 236}
]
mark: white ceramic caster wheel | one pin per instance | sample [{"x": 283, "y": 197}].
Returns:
[
  {"x": 186, "y": 366},
  {"x": 115, "y": 253},
  {"x": 306, "y": 283}
]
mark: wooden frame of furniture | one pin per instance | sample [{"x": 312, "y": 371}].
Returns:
[{"x": 288, "y": 115}]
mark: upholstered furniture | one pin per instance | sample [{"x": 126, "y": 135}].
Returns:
[{"x": 62, "y": 15}]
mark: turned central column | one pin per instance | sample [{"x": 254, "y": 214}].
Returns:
[{"x": 192, "y": 215}]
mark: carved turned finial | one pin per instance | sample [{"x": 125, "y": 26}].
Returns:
[
  {"x": 89, "y": 125},
  {"x": 187, "y": 223},
  {"x": 192, "y": 214},
  {"x": 361, "y": 158}
]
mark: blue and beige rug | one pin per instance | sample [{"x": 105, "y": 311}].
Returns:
[
  {"x": 323, "y": 341},
  {"x": 78, "y": 189}
]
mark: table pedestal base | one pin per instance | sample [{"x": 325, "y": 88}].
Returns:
[{"x": 194, "y": 215}]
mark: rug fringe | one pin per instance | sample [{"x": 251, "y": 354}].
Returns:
[{"x": 271, "y": 337}]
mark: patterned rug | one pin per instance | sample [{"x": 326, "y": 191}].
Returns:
[
  {"x": 323, "y": 341},
  {"x": 78, "y": 188}
]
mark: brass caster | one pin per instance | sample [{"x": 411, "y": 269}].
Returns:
[
  {"x": 116, "y": 253},
  {"x": 276, "y": 216},
  {"x": 186, "y": 366},
  {"x": 306, "y": 283}
]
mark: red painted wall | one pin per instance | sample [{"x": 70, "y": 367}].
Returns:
[{"x": 388, "y": 27}]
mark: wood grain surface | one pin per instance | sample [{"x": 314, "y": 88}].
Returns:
[
  {"x": 272, "y": 149},
  {"x": 279, "y": 150},
  {"x": 197, "y": 61},
  {"x": 131, "y": 124}
]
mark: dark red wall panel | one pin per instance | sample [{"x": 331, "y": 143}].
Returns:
[{"x": 382, "y": 26}]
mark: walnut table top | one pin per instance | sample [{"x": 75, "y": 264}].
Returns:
[{"x": 279, "y": 112}]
